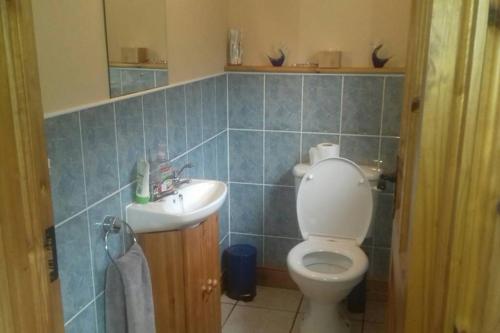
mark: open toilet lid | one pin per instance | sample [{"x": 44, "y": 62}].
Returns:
[{"x": 335, "y": 200}]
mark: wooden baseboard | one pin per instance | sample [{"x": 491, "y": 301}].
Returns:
[
  {"x": 280, "y": 278},
  {"x": 275, "y": 277}
]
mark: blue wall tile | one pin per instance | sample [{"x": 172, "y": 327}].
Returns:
[
  {"x": 155, "y": 122},
  {"x": 362, "y": 105},
  {"x": 393, "y": 105},
  {"x": 359, "y": 149},
  {"x": 388, "y": 153},
  {"x": 322, "y": 96},
  {"x": 283, "y": 102},
  {"x": 245, "y": 156},
  {"x": 311, "y": 140},
  {"x": 195, "y": 157},
  {"x": 84, "y": 323},
  {"x": 382, "y": 228},
  {"x": 66, "y": 166},
  {"x": 222, "y": 158},
  {"x": 111, "y": 207},
  {"x": 101, "y": 314},
  {"x": 280, "y": 212},
  {"x": 193, "y": 114},
  {"x": 221, "y": 101},
  {"x": 137, "y": 80},
  {"x": 127, "y": 197},
  {"x": 210, "y": 159},
  {"x": 379, "y": 264},
  {"x": 99, "y": 151},
  {"x": 223, "y": 245},
  {"x": 276, "y": 251},
  {"x": 246, "y": 101},
  {"x": 75, "y": 269},
  {"x": 176, "y": 121},
  {"x": 224, "y": 218},
  {"x": 256, "y": 241},
  {"x": 282, "y": 152},
  {"x": 209, "y": 109},
  {"x": 246, "y": 208},
  {"x": 161, "y": 78},
  {"x": 115, "y": 82},
  {"x": 130, "y": 136}
]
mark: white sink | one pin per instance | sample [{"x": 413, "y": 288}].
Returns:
[{"x": 194, "y": 202}]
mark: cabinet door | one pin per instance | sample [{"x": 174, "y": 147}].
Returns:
[
  {"x": 163, "y": 251},
  {"x": 212, "y": 264},
  {"x": 195, "y": 280}
]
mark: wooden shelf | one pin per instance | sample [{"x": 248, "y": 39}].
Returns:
[
  {"x": 145, "y": 65},
  {"x": 298, "y": 69}
]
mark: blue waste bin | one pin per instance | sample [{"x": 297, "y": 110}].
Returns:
[{"x": 241, "y": 272}]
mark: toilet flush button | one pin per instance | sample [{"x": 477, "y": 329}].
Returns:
[{"x": 310, "y": 177}]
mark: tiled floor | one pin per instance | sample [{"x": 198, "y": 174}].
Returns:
[{"x": 279, "y": 310}]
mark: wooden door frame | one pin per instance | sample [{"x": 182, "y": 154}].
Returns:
[
  {"x": 445, "y": 211},
  {"x": 29, "y": 302}
]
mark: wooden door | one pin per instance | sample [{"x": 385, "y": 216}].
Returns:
[
  {"x": 444, "y": 276},
  {"x": 29, "y": 302},
  {"x": 212, "y": 263},
  {"x": 195, "y": 282},
  {"x": 164, "y": 251}
]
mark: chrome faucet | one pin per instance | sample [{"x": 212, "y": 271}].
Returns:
[{"x": 176, "y": 182}]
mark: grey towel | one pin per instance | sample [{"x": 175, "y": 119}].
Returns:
[{"x": 129, "y": 299}]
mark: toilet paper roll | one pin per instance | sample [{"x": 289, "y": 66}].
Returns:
[
  {"x": 313, "y": 155},
  {"x": 327, "y": 150}
]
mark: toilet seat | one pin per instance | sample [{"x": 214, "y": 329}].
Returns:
[
  {"x": 334, "y": 200},
  {"x": 338, "y": 250}
]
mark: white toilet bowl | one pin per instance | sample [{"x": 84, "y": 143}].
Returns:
[
  {"x": 334, "y": 211},
  {"x": 326, "y": 272}
]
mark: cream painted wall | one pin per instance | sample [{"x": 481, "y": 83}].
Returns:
[
  {"x": 196, "y": 34},
  {"x": 308, "y": 26},
  {"x": 72, "y": 55},
  {"x": 71, "y": 52},
  {"x": 136, "y": 23}
]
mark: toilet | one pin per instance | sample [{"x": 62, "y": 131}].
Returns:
[{"x": 334, "y": 211}]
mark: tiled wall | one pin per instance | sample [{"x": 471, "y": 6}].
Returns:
[
  {"x": 273, "y": 121},
  {"x": 125, "y": 80},
  {"x": 92, "y": 169}
]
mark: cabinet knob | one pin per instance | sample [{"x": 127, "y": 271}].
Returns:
[
  {"x": 203, "y": 288},
  {"x": 209, "y": 282}
]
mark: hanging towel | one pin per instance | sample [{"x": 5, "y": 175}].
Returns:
[{"x": 129, "y": 299}]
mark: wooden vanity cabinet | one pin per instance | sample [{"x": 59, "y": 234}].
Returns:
[{"x": 185, "y": 274}]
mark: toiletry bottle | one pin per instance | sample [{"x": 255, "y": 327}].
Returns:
[
  {"x": 142, "y": 191},
  {"x": 161, "y": 172}
]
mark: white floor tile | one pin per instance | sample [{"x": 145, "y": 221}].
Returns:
[
  {"x": 245, "y": 319},
  {"x": 275, "y": 298},
  {"x": 225, "y": 310},
  {"x": 356, "y": 326}
]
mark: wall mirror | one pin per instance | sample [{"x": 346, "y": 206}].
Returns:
[{"x": 136, "y": 36}]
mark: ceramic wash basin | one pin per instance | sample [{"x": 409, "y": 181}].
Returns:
[{"x": 192, "y": 204}]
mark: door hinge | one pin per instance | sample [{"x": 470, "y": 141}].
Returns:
[
  {"x": 51, "y": 248},
  {"x": 415, "y": 104}
]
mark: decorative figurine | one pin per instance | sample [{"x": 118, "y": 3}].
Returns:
[
  {"x": 376, "y": 60},
  {"x": 277, "y": 62}
]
